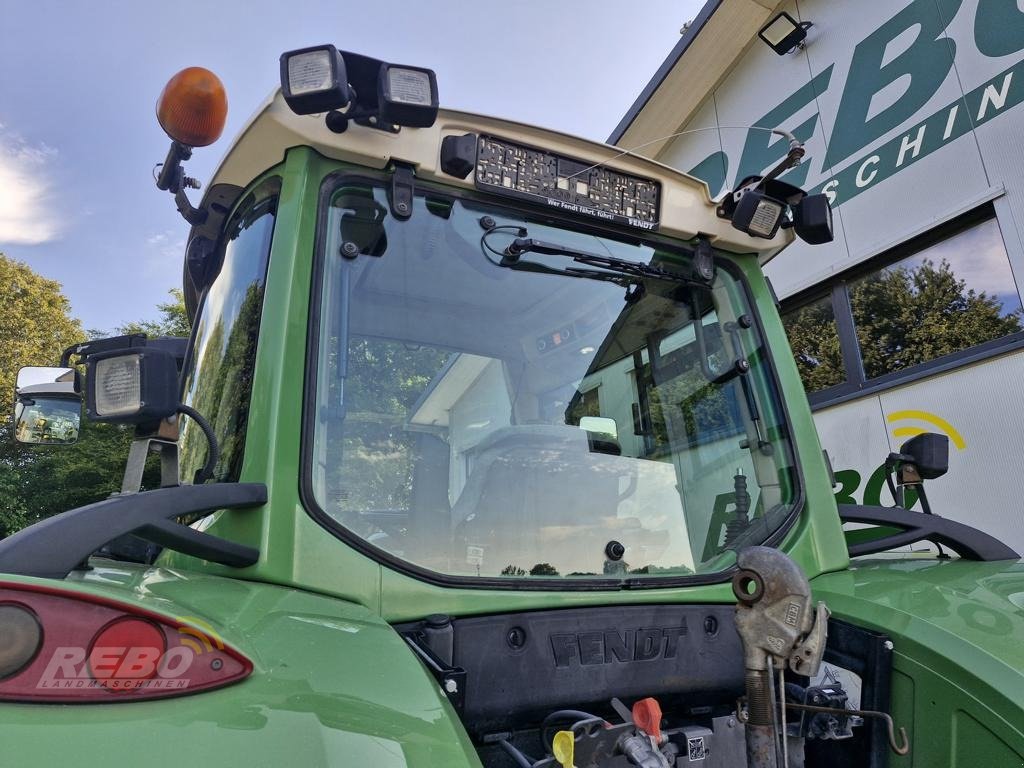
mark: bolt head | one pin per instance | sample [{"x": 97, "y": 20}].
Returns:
[{"x": 451, "y": 686}]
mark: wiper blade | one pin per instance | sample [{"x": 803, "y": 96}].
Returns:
[{"x": 610, "y": 269}]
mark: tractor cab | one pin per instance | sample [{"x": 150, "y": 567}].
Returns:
[{"x": 487, "y": 448}]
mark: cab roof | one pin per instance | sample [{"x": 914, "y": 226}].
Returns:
[{"x": 686, "y": 207}]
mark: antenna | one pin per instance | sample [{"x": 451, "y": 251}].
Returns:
[{"x": 794, "y": 142}]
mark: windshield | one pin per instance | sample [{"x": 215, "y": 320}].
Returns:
[{"x": 484, "y": 420}]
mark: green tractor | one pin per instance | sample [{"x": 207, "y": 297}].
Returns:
[{"x": 487, "y": 449}]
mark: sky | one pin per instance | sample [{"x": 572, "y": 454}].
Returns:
[{"x": 79, "y": 137}]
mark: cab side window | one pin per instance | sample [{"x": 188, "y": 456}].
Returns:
[{"x": 219, "y": 380}]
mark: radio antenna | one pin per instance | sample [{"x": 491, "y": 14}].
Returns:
[{"x": 794, "y": 142}]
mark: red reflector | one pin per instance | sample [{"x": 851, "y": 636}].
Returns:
[{"x": 92, "y": 649}]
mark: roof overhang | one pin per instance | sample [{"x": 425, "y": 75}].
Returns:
[{"x": 701, "y": 60}]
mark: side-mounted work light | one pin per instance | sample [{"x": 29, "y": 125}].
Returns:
[
  {"x": 314, "y": 80},
  {"x": 784, "y": 33},
  {"x": 757, "y": 214},
  {"x": 131, "y": 386},
  {"x": 759, "y": 207},
  {"x": 812, "y": 219}
]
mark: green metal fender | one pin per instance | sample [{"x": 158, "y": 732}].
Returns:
[
  {"x": 957, "y": 629},
  {"x": 332, "y": 685}
]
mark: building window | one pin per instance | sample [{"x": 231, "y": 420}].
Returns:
[
  {"x": 814, "y": 337},
  {"x": 953, "y": 292}
]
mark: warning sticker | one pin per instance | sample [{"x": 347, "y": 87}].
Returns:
[{"x": 696, "y": 749}]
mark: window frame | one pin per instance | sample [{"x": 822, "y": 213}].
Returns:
[
  {"x": 856, "y": 383},
  {"x": 329, "y": 185}
]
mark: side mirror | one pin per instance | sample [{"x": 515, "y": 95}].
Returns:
[
  {"x": 929, "y": 453},
  {"x": 47, "y": 406}
]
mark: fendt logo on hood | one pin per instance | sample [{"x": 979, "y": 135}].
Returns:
[{"x": 609, "y": 646}]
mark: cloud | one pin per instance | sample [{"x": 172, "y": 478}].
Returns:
[
  {"x": 164, "y": 252},
  {"x": 28, "y": 211}
]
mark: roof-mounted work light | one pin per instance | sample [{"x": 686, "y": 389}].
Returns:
[
  {"x": 407, "y": 96},
  {"x": 314, "y": 80},
  {"x": 784, "y": 33},
  {"x": 350, "y": 87}
]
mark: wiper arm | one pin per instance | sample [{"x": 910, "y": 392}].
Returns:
[{"x": 614, "y": 270}]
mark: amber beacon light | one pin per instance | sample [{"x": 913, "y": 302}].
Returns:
[{"x": 193, "y": 107}]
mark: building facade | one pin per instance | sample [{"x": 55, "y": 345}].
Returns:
[{"x": 911, "y": 320}]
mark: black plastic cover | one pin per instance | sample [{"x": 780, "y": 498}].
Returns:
[
  {"x": 968, "y": 542},
  {"x": 522, "y": 666},
  {"x": 458, "y": 155}
]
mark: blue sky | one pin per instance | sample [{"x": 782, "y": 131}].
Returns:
[{"x": 79, "y": 138}]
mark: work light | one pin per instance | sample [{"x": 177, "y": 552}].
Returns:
[
  {"x": 757, "y": 214},
  {"x": 131, "y": 386},
  {"x": 407, "y": 96},
  {"x": 812, "y": 219},
  {"x": 314, "y": 80}
]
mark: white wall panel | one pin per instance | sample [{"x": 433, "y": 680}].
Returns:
[{"x": 982, "y": 403}]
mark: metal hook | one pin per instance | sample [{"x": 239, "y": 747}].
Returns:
[{"x": 899, "y": 749}]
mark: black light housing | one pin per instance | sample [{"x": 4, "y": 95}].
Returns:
[
  {"x": 812, "y": 219},
  {"x": 407, "y": 95},
  {"x": 757, "y": 214},
  {"x": 131, "y": 386},
  {"x": 314, "y": 80},
  {"x": 784, "y": 33}
]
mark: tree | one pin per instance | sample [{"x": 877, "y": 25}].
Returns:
[
  {"x": 173, "y": 319},
  {"x": 35, "y": 327}
]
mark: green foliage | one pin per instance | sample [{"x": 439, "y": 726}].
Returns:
[
  {"x": 543, "y": 569},
  {"x": 173, "y": 319},
  {"x": 35, "y": 327}
]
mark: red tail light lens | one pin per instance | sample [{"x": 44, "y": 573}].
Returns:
[{"x": 64, "y": 647}]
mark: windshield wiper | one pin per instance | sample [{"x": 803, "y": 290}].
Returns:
[{"x": 619, "y": 271}]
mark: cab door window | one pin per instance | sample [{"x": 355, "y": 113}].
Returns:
[{"x": 223, "y": 355}]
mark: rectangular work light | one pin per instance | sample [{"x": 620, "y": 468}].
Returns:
[
  {"x": 407, "y": 95},
  {"x": 131, "y": 386},
  {"x": 314, "y": 80},
  {"x": 812, "y": 219},
  {"x": 757, "y": 214}
]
